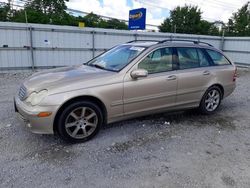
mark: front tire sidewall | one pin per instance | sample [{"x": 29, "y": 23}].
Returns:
[
  {"x": 202, "y": 106},
  {"x": 62, "y": 120}
]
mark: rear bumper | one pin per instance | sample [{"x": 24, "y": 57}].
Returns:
[{"x": 28, "y": 114}]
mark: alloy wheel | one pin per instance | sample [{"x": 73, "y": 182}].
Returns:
[
  {"x": 81, "y": 122},
  {"x": 212, "y": 100}
]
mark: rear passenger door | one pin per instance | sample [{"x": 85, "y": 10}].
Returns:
[{"x": 193, "y": 75}]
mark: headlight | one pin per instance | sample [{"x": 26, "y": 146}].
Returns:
[{"x": 36, "y": 97}]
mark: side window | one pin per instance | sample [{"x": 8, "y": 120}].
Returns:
[
  {"x": 218, "y": 58},
  {"x": 159, "y": 60},
  {"x": 204, "y": 62},
  {"x": 188, "y": 58}
]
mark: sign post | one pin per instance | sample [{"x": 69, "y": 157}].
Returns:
[{"x": 137, "y": 19}]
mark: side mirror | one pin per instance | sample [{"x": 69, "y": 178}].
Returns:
[{"x": 139, "y": 73}]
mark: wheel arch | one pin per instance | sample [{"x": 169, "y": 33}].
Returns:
[
  {"x": 93, "y": 99},
  {"x": 221, "y": 88},
  {"x": 217, "y": 85}
]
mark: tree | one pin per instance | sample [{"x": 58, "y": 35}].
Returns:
[
  {"x": 230, "y": 29},
  {"x": 48, "y": 6},
  {"x": 92, "y": 20},
  {"x": 207, "y": 28},
  {"x": 182, "y": 20},
  {"x": 239, "y": 23},
  {"x": 45, "y": 12},
  {"x": 4, "y": 12},
  {"x": 115, "y": 24},
  {"x": 188, "y": 20}
]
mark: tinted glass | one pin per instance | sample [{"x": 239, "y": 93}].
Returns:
[
  {"x": 218, "y": 58},
  {"x": 116, "y": 58},
  {"x": 188, "y": 58},
  {"x": 204, "y": 62},
  {"x": 158, "y": 61}
]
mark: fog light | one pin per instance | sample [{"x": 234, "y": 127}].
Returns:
[{"x": 44, "y": 114}]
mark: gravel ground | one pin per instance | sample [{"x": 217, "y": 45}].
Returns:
[{"x": 181, "y": 149}]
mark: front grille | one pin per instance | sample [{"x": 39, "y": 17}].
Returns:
[{"x": 22, "y": 93}]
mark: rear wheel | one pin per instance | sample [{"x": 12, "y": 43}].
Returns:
[
  {"x": 80, "y": 121},
  {"x": 211, "y": 100}
]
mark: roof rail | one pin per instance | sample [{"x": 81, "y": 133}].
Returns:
[
  {"x": 143, "y": 41},
  {"x": 182, "y": 40}
]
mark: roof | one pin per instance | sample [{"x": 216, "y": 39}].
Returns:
[{"x": 173, "y": 42}]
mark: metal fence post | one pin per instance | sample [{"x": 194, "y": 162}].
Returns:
[
  {"x": 93, "y": 44},
  {"x": 31, "y": 49},
  {"x": 136, "y": 35},
  {"x": 222, "y": 40}
]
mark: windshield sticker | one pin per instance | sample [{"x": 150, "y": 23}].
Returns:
[{"x": 136, "y": 48}]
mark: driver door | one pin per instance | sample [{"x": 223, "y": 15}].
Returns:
[{"x": 157, "y": 90}]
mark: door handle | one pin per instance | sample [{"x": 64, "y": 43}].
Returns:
[
  {"x": 172, "y": 77},
  {"x": 206, "y": 73}
]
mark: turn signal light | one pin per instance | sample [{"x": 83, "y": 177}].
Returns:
[{"x": 44, "y": 114}]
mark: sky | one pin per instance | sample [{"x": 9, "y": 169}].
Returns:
[{"x": 158, "y": 10}]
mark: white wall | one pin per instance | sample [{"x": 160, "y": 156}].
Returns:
[{"x": 64, "y": 45}]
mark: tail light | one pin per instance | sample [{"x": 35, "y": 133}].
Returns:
[{"x": 235, "y": 75}]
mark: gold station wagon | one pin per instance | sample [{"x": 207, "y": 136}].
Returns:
[{"x": 130, "y": 80}]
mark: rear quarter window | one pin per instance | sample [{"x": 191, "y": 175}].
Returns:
[{"x": 218, "y": 58}]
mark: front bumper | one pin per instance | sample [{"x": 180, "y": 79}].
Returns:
[{"x": 39, "y": 125}]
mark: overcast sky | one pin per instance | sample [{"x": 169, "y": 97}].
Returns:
[{"x": 157, "y": 10}]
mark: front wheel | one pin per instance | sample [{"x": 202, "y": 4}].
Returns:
[
  {"x": 211, "y": 100},
  {"x": 80, "y": 121}
]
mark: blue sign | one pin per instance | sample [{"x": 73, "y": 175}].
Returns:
[{"x": 137, "y": 19}]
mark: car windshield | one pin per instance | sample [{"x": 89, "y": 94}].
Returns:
[{"x": 116, "y": 58}]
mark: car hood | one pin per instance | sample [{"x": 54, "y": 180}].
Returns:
[{"x": 66, "y": 76}]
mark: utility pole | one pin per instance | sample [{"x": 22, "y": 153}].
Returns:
[
  {"x": 10, "y": 5},
  {"x": 222, "y": 26},
  {"x": 248, "y": 10}
]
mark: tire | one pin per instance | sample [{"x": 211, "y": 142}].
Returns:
[
  {"x": 80, "y": 121},
  {"x": 211, "y": 100}
]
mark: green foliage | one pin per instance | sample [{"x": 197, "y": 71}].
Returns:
[
  {"x": 188, "y": 20},
  {"x": 48, "y": 7},
  {"x": 93, "y": 20},
  {"x": 4, "y": 12},
  {"x": 54, "y": 12},
  {"x": 239, "y": 23},
  {"x": 116, "y": 24}
]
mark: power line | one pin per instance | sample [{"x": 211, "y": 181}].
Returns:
[
  {"x": 14, "y": 5},
  {"x": 153, "y": 5},
  {"x": 85, "y": 13},
  {"x": 223, "y": 3}
]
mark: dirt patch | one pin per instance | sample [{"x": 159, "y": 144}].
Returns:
[{"x": 55, "y": 154}]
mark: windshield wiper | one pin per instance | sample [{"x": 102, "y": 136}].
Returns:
[
  {"x": 101, "y": 67},
  {"x": 98, "y": 66}
]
